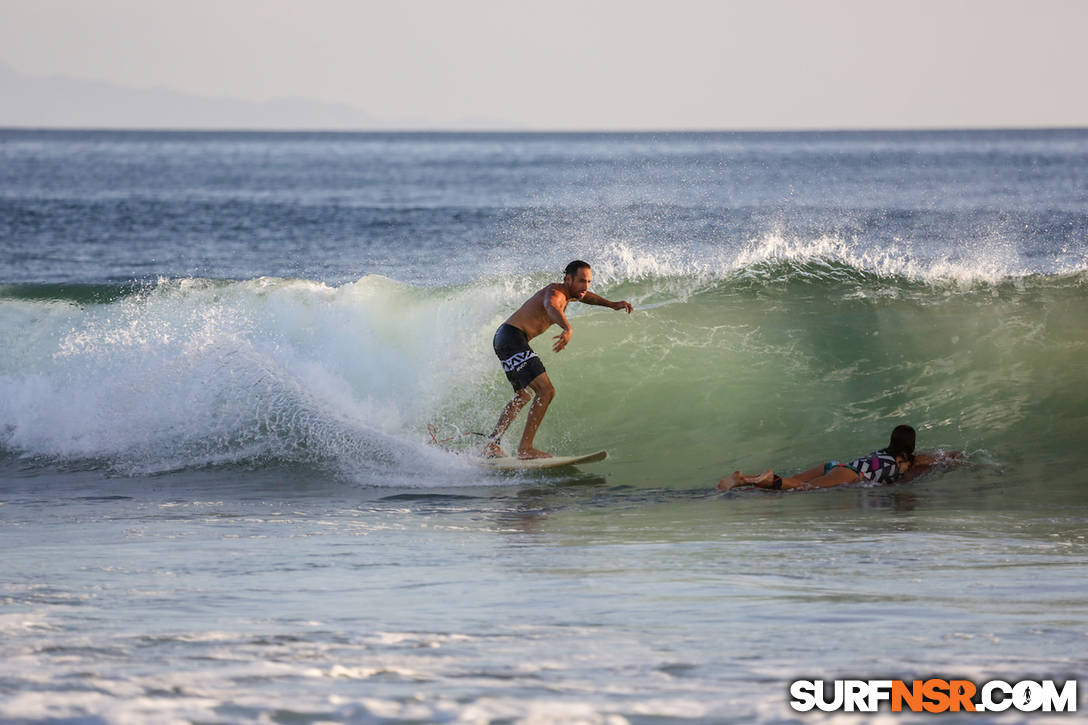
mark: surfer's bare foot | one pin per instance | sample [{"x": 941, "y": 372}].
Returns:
[
  {"x": 492, "y": 450},
  {"x": 737, "y": 479},
  {"x": 531, "y": 453},
  {"x": 763, "y": 478}
]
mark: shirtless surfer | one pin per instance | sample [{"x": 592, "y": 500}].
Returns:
[{"x": 523, "y": 368}]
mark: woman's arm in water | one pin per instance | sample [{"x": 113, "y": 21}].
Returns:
[{"x": 940, "y": 458}]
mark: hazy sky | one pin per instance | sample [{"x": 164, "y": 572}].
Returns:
[{"x": 586, "y": 64}]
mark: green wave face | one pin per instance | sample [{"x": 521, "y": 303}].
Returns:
[
  {"x": 777, "y": 364},
  {"x": 800, "y": 369},
  {"x": 79, "y": 294}
]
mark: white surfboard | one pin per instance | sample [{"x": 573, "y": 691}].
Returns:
[{"x": 511, "y": 463}]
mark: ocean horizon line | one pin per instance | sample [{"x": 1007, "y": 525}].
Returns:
[{"x": 438, "y": 131}]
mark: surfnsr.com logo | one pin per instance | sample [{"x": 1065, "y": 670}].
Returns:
[{"x": 933, "y": 695}]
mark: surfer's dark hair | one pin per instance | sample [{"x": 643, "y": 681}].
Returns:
[
  {"x": 573, "y": 267},
  {"x": 902, "y": 443}
]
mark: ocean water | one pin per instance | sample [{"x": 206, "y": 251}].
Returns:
[{"x": 224, "y": 356}]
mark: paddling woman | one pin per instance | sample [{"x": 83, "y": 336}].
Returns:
[{"x": 886, "y": 465}]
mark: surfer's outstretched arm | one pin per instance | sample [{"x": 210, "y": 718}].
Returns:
[{"x": 591, "y": 299}]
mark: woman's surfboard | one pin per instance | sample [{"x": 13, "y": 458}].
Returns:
[{"x": 510, "y": 463}]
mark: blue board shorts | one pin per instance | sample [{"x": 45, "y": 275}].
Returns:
[{"x": 518, "y": 360}]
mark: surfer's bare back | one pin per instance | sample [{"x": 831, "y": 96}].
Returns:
[{"x": 522, "y": 366}]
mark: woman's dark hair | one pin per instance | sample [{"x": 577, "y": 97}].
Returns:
[
  {"x": 573, "y": 267},
  {"x": 902, "y": 443}
]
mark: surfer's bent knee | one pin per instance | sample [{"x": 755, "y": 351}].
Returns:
[{"x": 543, "y": 387}]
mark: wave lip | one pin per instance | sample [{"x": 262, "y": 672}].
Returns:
[{"x": 777, "y": 257}]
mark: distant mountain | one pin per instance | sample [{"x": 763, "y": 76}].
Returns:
[{"x": 62, "y": 102}]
